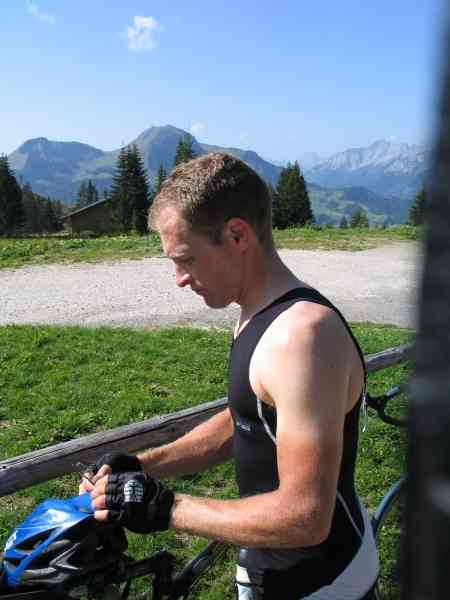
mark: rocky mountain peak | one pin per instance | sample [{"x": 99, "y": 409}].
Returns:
[{"x": 380, "y": 154}]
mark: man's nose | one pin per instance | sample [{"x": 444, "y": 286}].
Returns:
[{"x": 182, "y": 277}]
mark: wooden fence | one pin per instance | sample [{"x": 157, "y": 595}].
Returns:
[{"x": 47, "y": 463}]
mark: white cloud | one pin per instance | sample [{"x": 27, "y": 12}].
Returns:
[
  {"x": 34, "y": 11},
  {"x": 197, "y": 128},
  {"x": 140, "y": 35}
]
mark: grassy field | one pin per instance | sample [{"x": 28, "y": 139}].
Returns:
[
  {"x": 21, "y": 252},
  {"x": 329, "y": 238},
  {"x": 58, "y": 383}
]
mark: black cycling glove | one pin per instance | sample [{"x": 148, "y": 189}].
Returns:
[
  {"x": 119, "y": 462},
  {"x": 138, "y": 502}
]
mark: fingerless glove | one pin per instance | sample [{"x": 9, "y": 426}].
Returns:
[
  {"x": 138, "y": 502},
  {"x": 119, "y": 462}
]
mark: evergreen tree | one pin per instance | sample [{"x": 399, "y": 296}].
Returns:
[
  {"x": 160, "y": 176},
  {"x": 417, "y": 209},
  {"x": 92, "y": 193},
  {"x": 41, "y": 215},
  {"x": 130, "y": 191},
  {"x": 81, "y": 196},
  {"x": 343, "y": 223},
  {"x": 11, "y": 208},
  {"x": 291, "y": 205},
  {"x": 359, "y": 218},
  {"x": 121, "y": 193},
  {"x": 184, "y": 151},
  {"x": 139, "y": 188},
  {"x": 58, "y": 208},
  {"x": 87, "y": 194},
  {"x": 32, "y": 211},
  {"x": 50, "y": 221}
]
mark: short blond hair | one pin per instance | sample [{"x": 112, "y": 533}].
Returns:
[{"x": 210, "y": 190}]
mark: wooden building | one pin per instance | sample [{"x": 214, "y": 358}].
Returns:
[{"x": 96, "y": 218}]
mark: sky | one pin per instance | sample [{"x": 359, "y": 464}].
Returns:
[{"x": 280, "y": 78}]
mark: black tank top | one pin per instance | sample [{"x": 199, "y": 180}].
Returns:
[{"x": 296, "y": 571}]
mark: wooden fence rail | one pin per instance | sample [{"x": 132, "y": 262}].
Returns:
[{"x": 47, "y": 463}]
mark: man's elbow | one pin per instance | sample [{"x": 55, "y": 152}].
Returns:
[
  {"x": 321, "y": 532},
  {"x": 312, "y": 530}
]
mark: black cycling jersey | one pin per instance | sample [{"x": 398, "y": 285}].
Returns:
[{"x": 293, "y": 573}]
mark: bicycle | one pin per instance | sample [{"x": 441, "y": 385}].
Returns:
[
  {"x": 391, "y": 505},
  {"x": 115, "y": 583}
]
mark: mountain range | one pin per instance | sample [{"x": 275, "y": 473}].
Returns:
[
  {"x": 381, "y": 178},
  {"x": 394, "y": 170}
]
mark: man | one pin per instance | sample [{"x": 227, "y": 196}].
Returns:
[{"x": 296, "y": 382}]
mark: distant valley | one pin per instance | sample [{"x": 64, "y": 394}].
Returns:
[{"x": 381, "y": 178}]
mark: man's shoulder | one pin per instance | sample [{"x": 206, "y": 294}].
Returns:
[
  {"x": 303, "y": 322},
  {"x": 307, "y": 342}
]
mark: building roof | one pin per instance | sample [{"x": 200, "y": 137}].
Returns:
[{"x": 84, "y": 208}]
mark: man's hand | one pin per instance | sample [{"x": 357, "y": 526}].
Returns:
[
  {"x": 111, "y": 462},
  {"x": 134, "y": 500}
]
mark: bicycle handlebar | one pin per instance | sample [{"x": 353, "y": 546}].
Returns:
[{"x": 378, "y": 403}]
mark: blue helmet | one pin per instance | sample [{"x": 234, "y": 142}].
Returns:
[{"x": 61, "y": 546}]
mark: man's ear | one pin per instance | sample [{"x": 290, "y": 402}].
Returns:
[{"x": 238, "y": 230}]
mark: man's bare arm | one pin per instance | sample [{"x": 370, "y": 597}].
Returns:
[
  {"x": 208, "y": 444},
  {"x": 203, "y": 447}
]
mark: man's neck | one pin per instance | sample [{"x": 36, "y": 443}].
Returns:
[{"x": 268, "y": 278}]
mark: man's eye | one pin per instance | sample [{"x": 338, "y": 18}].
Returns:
[{"x": 183, "y": 261}]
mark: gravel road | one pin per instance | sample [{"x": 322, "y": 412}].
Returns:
[{"x": 378, "y": 285}]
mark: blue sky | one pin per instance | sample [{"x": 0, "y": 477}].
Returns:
[{"x": 281, "y": 78}]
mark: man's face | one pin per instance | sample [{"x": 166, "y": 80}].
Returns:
[{"x": 210, "y": 270}]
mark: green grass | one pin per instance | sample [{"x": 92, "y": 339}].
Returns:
[
  {"x": 329, "y": 238},
  {"x": 39, "y": 250},
  {"x": 58, "y": 383},
  {"x": 45, "y": 250}
]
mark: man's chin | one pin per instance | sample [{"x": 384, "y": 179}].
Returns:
[{"x": 216, "y": 302}]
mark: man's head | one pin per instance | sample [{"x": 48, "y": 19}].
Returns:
[{"x": 210, "y": 190}]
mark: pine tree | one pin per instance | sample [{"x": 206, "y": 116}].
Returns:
[
  {"x": 41, "y": 214},
  {"x": 184, "y": 151},
  {"x": 130, "y": 191},
  {"x": 139, "y": 189},
  {"x": 49, "y": 217},
  {"x": 121, "y": 194},
  {"x": 32, "y": 211},
  {"x": 160, "y": 176},
  {"x": 92, "y": 193},
  {"x": 11, "y": 208},
  {"x": 87, "y": 194},
  {"x": 359, "y": 218},
  {"x": 343, "y": 223},
  {"x": 81, "y": 196},
  {"x": 418, "y": 207},
  {"x": 59, "y": 213},
  {"x": 291, "y": 205}
]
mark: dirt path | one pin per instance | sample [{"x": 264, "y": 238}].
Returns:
[{"x": 378, "y": 285}]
